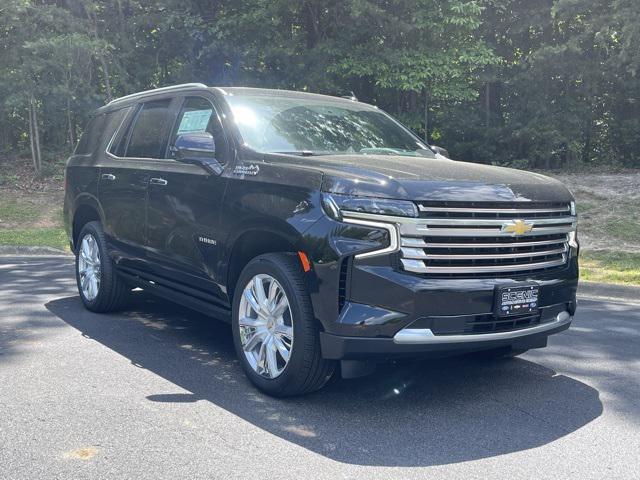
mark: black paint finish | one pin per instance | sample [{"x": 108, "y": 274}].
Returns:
[{"x": 176, "y": 227}]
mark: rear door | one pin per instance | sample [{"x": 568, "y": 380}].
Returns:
[
  {"x": 124, "y": 178},
  {"x": 183, "y": 207}
]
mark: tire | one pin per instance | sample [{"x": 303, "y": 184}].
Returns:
[
  {"x": 498, "y": 353},
  {"x": 305, "y": 370},
  {"x": 111, "y": 292}
]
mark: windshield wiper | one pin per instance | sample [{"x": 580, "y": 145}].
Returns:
[{"x": 302, "y": 153}]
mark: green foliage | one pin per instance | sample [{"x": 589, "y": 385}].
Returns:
[
  {"x": 526, "y": 83},
  {"x": 610, "y": 267},
  {"x": 38, "y": 237}
]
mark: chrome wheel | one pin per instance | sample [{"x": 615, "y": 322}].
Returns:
[
  {"x": 89, "y": 270},
  {"x": 266, "y": 326}
]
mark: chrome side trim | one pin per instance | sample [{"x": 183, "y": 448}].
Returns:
[
  {"x": 394, "y": 236},
  {"x": 424, "y": 336}
]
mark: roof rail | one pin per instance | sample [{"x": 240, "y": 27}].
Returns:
[{"x": 159, "y": 90}]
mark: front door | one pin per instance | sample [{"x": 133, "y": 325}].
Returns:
[{"x": 183, "y": 208}]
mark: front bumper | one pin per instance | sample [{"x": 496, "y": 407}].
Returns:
[
  {"x": 415, "y": 342},
  {"x": 390, "y": 313}
]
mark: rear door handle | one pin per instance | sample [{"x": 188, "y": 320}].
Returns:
[
  {"x": 158, "y": 181},
  {"x": 108, "y": 176}
]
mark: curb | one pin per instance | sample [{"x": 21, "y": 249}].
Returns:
[
  {"x": 7, "y": 250},
  {"x": 595, "y": 290}
]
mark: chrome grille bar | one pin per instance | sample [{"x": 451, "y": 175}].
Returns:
[
  {"x": 420, "y": 267},
  {"x": 498, "y": 222},
  {"x": 419, "y": 242},
  {"x": 514, "y": 211},
  {"x": 418, "y": 253},
  {"x": 414, "y": 229}
]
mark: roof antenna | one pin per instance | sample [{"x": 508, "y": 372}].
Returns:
[{"x": 351, "y": 97}]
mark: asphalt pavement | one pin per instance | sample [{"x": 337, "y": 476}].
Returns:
[{"x": 155, "y": 392}]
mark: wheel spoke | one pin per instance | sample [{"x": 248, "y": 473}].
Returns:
[
  {"x": 274, "y": 290},
  {"x": 256, "y": 338},
  {"x": 258, "y": 290},
  {"x": 248, "y": 294},
  {"x": 262, "y": 358},
  {"x": 251, "y": 322},
  {"x": 280, "y": 308},
  {"x": 272, "y": 362},
  {"x": 282, "y": 348},
  {"x": 93, "y": 250},
  {"x": 285, "y": 331},
  {"x": 93, "y": 286}
]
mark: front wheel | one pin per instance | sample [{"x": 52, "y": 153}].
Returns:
[{"x": 274, "y": 330}]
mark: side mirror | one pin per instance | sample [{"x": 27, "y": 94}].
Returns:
[
  {"x": 440, "y": 151},
  {"x": 197, "y": 148}
]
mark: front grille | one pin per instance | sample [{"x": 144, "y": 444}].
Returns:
[
  {"x": 489, "y": 323},
  {"x": 487, "y": 239}
]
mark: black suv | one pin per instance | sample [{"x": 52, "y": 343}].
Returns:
[{"x": 320, "y": 227}]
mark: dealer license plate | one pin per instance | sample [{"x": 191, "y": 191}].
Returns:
[{"x": 516, "y": 300}]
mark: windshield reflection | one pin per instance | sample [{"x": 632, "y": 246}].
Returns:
[{"x": 313, "y": 127}]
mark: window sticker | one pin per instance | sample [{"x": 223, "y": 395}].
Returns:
[{"x": 194, "y": 121}]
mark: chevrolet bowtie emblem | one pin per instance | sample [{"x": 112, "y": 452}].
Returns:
[{"x": 517, "y": 227}]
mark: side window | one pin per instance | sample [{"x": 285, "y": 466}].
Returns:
[
  {"x": 91, "y": 135},
  {"x": 148, "y": 139},
  {"x": 198, "y": 115}
]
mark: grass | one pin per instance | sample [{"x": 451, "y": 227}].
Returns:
[
  {"x": 36, "y": 237},
  {"x": 625, "y": 230},
  {"x": 610, "y": 267},
  {"x": 32, "y": 219},
  {"x": 14, "y": 210}
]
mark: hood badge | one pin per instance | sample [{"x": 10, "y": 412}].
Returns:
[{"x": 517, "y": 227}]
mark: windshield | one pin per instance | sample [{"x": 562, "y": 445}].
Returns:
[{"x": 315, "y": 127}]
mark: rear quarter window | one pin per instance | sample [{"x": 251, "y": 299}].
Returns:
[
  {"x": 91, "y": 135},
  {"x": 99, "y": 129}
]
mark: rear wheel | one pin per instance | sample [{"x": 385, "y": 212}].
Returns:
[
  {"x": 101, "y": 290},
  {"x": 274, "y": 329}
]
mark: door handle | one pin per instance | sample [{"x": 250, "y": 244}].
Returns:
[
  {"x": 158, "y": 181},
  {"x": 108, "y": 176}
]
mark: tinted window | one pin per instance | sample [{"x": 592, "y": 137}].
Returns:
[
  {"x": 198, "y": 115},
  {"x": 148, "y": 137},
  {"x": 91, "y": 135}
]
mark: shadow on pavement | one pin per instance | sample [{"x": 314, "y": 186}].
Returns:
[{"x": 418, "y": 414}]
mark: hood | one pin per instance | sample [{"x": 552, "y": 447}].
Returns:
[{"x": 422, "y": 178}]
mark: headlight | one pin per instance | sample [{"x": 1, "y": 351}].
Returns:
[
  {"x": 573, "y": 208},
  {"x": 335, "y": 204}
]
